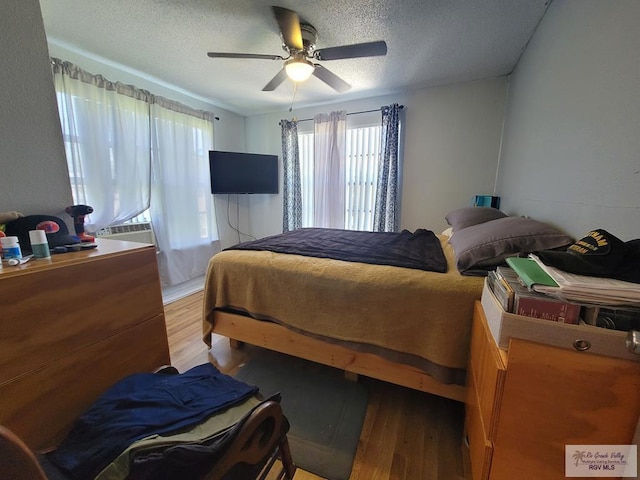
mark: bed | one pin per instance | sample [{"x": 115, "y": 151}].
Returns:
[{"x": 402, "y": 325}]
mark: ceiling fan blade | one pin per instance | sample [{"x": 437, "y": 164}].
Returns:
[
  {"x": 331, "y": 79},
  {"x": 289, "y": 24},
  {"x": 275, "y": 82},
  {"x": 244, "y": 55},
  {"x": 371, "y": 49}
]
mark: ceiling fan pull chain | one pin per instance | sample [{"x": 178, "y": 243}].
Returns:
[{"x": 295, "y": 90}]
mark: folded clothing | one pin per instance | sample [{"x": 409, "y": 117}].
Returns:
[
  {"x": 141, "y": 405},
  {"x": 207, "y": 430}
]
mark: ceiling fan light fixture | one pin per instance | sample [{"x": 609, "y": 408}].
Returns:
[
  {"x": 299, "y": 41},
  {"x": 299, "y": 69}
]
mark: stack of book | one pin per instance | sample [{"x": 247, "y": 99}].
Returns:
[
  {"x": 530, "y": 288},
  {"x": 515, "y": 297}
]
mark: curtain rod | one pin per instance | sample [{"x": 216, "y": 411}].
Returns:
[{"x": 351, "y": 113}]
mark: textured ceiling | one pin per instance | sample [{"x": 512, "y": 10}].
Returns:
[{"x": 430, "y": 42}]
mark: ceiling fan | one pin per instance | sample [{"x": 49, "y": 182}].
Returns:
[{"x": 299, "y": 41}]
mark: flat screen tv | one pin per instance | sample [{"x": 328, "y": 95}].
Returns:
[{"x": 236, "y": 172}]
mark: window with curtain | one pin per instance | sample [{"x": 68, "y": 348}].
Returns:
[
  {"x": 362, "y": 157},
  {"x": 133, "y": 155},
  {"x": 181, "y": 204},
  {"x": 106, "y": 133},
  {"x": 329, "y": 169}
]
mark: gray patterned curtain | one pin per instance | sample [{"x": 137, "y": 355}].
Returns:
[
  {"x": 292, "y": 192},
  {"x": 386, "y": 216}
]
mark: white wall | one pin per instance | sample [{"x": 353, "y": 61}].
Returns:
[
  {"x": 229, "y": 135},
  {"x": 451, "y": 146},
  {"x": 571, "y": 149},
  {"x": 33, "y": 171}
]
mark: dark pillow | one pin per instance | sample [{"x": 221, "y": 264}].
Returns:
[
  {"x": 468, "y": 216},
  {"x": 485, "y": 245}
]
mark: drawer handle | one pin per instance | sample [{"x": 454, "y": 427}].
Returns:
[
  {"x": 633, "y": 341},
  {"x": 582, "y": 345}
]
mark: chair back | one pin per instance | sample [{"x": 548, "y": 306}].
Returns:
[
  {"x": 249, "y": 451},
  {"x": 16, "y": 459}
]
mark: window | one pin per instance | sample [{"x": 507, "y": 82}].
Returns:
[
  {"x": 363, "y": 155},
  {"x": 361, "y": 173},
  {"x": 305, "y": 149},
  {"x": 135, "y": 156},
  {"x": 106, "y": 140}
]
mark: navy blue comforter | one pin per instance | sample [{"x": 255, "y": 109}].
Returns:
[{"x": 420, "y": 250}]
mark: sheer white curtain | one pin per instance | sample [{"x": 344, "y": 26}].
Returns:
[
  {"x": 329, "y": 169},
  {"x": 105, "y": 126},
  {"x": 114, "y": 135},
  {"x": 182, "y": 210}
]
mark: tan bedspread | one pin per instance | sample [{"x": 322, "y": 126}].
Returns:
[{"x": 426, "y": 314}]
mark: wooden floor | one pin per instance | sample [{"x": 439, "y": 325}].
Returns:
[{"x": 406, "y": 435}]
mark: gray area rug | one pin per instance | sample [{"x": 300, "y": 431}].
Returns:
[{"x": 326, "y": 411}]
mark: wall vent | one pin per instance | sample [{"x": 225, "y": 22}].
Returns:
[{"x": 130, "y": 232}]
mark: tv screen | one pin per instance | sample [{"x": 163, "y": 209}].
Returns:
[{"x": 236, "y": 172}]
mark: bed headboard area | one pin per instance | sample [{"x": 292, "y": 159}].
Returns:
[{"x": 482, "y": 237}]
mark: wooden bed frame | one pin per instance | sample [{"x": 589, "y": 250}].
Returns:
[{"x": 239, "y": 328}]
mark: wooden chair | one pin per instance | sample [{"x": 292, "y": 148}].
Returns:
[
  {"x": 259, "y": 442},
  {"x": 249, "y": 451},
  {"x": 16, "y": 460}
]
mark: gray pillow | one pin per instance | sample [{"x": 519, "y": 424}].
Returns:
[
  {"x": 468, "y": 216},
  {"x": 486, "y": 245}
]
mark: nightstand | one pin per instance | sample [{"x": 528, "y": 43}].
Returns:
[{"x": 526, "y": 402}]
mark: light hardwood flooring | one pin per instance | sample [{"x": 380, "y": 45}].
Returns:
[{"x": 406, "y": 435}]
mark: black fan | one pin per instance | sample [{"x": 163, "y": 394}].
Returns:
[{"x": 299, "y": 41}]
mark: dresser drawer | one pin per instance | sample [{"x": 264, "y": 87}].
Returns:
[
  {"x": 70, "y": 327},
  {"x": 486, "y": 372},
  {"x": 485, "y": 380},
  {"x": 41, "y": 407},
  {"x": 48, "y": 313},
  {"x": 554, "y": 397},
  {"x": 480, "y": 448}
]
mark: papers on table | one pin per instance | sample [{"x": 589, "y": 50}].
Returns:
[{"x": 585, "y": 289}]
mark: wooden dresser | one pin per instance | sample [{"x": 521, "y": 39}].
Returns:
[
  {"x": 524, "y": 404},
  {"x": 72, "y": 326}
]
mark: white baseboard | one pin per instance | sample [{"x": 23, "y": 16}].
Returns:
[{"x": 176, "y": 292}]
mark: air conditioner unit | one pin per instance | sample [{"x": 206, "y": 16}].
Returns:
[{"x": 130, "y": 232}]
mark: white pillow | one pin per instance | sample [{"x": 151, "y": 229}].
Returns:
[{"x": 448, "y": 232}]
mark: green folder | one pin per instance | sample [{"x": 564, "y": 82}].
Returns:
[{"x": 530, "y": 272}]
